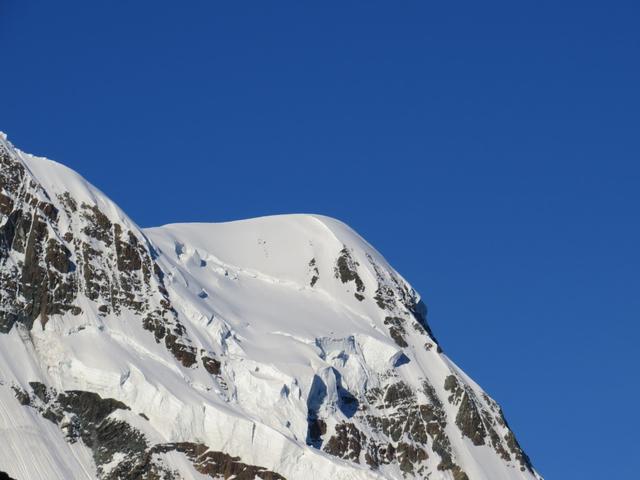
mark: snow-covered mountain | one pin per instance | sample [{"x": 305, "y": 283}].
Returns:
[{"x": 282, "y": 347}]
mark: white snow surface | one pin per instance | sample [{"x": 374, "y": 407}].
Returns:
[{"x": 243, "y": 291}]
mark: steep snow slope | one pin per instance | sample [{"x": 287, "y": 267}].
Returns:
[{"x": 278, "y": 347}]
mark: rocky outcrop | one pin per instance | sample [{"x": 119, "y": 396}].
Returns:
[
  {"x": 397, "y": 330},
  {"x": 84, "y": 416},
  {"x": 47, "y": 262},
  {"x": 120, "y": 451},
  {"x": 37, "y": 276},
  {"x": 479, "y": 421},
  {"x": 216, "y": 464},
  {"x": 391, "y": 426},
  {"x": 314, "y": 272},
  {"x": 346, "y": 270}
]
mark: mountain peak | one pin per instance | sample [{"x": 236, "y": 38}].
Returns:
[{"x": 280, "y": 347}]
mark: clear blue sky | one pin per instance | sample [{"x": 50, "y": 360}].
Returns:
[{"x": 490, "y": 152}]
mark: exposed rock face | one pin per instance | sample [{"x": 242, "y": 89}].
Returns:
[
  {"x": 401, "y": 428},
  {"x": 37, "y": 280},
  {"x": 85, "y": 416},
  {"x": 478, "y": 421},
  {"x": 216, "y": 464},
  {"x": 346, "y": 270},
  {"x": 315, "y": 273},
  {"x": 276, "y": 348},
  {"x": 47, "y": 268}
]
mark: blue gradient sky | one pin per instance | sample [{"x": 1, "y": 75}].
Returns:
[{"x": 490, "y": 152}]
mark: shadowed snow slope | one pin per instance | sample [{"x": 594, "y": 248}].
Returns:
[{"x": 281, "y": 347}]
